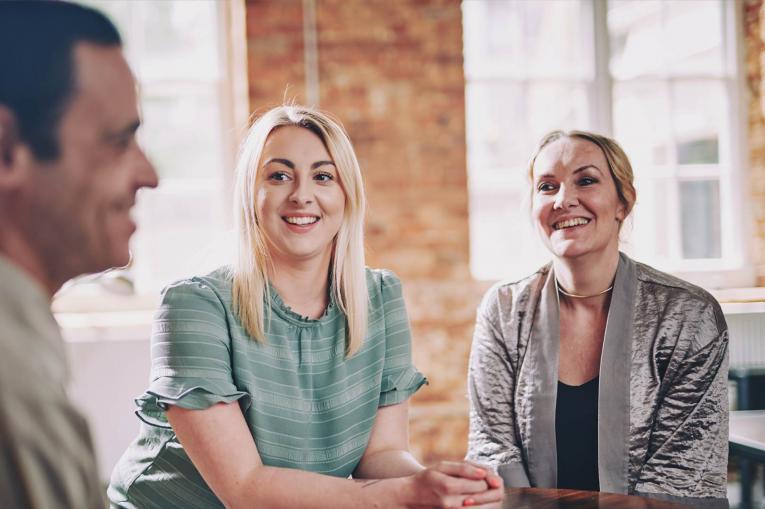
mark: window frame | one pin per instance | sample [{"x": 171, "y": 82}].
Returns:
[
  {"x": 94, "y": 292},
  {"x": 734, "y": 268}
]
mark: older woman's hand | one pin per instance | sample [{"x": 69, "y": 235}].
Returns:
[{"x": 452, "y": 484}]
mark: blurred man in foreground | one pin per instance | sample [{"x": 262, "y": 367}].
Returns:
[{"x": 70, "y": 169}]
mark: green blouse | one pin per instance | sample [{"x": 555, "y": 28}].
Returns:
[{"x": 307, "y": 406}]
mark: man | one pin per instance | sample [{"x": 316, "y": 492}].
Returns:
[{"x": 69, "y": 172}]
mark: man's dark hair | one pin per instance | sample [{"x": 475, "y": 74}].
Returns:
[{"x": 37, "y": 68}]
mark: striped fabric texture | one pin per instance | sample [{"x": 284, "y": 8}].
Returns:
[{"x": 307, "y": 406}]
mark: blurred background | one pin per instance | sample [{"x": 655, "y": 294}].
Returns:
[{"x": 444, "y": 101}]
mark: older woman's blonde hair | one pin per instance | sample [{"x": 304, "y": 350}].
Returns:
[
  {"x": 618, "y": 162},
  {"x": 250, "y": 271}
]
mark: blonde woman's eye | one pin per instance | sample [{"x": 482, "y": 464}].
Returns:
[
  {"x": 587, "y": 181},
  {"x": 279, "y": 176},
  {"x": 545, "y": 187},
  {"x": 324, "y": 177}
]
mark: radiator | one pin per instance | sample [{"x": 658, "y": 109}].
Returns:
[{"x": 746, "y": 326}]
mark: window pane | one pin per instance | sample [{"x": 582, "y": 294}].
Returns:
[
  {"x": 494, "y": 112},
  {"x": 506, "y": 119},
  {"x": 635, "y": 34},
  {"x": 557, "y": 35},
  {"x": 528, "y": 39},
  {"x": 180, "y": 233},
  {"x": 642, "y": 122},
  {"x": 555, "y": 106},
  {"x": 693, "y": 37},
  {"x": 700, "y": 218},
  {"x": 178, "y": 41},
  {"x": 503, "y": 242},
  {"x": 665, "y": 38},
  {"x": 697, "y": 128},
  {"x": 183, "y": 131},
  {"x": 650, "y": 230}
]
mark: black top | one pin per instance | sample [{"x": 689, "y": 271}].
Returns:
[{"x": 576, "y": 431}]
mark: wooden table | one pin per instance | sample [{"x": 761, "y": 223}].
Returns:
[
  {"x": 537, "y": 498},
  {"x": 747, "y": 442}
]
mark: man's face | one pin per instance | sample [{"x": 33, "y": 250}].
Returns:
[{"x": 78, "y": 206}]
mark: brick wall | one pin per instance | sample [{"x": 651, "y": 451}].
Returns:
[
  {"x": 754, "y": 44},
  {"x": 391, "y": 70}
]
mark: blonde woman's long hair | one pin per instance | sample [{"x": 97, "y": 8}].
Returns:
[{"x": 250, "y": 270}]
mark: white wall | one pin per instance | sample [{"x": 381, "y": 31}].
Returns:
[{"x": 107, "y": 375}]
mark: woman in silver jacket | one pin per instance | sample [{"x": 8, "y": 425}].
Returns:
[{"x": 598, "y": 372}]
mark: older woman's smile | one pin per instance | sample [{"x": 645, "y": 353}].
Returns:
[{"x": 570, "y": 223}]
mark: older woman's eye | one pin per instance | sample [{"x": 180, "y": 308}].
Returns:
[
  {"x": 587, "y": 181},
  {"x": 545, "y": 187}
]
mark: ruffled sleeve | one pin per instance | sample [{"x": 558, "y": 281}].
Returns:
[
  {"x": 190, "y": 354},
  {"x": 400, "y": 379}
]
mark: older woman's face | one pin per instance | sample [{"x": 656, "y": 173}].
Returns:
[{"x": 575, "y": 205}]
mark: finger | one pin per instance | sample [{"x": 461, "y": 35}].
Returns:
[
  {"x": 457, "y": 485},
  {"x": 492, "y": 478},
  {"x": 451, "y": 502},
  {"x": 462, "y": 469},
  {"x": 486, "y": 497},
  {"x": 444, "y": 484},
  {"x": 469, "y": 502},
  {"x": 494, "y": 481},
  {"x": 493, "y": 505}
]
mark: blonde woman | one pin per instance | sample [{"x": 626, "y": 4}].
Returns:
[
  {"x": 275, "y": 380},
  {"x": 598, "y": 372}
]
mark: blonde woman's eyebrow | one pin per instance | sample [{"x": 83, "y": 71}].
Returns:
[
  {"x": 319, "y": 164},
  {"x": 289, "y": 164},
  {"x": 279, "y": 160}
]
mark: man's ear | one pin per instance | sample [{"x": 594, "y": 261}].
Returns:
[{"x": 12, "y": 167}]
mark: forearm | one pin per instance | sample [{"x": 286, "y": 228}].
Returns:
[
  {"x": 386, "y": 464},
  {"x": 277, "y": 488}
]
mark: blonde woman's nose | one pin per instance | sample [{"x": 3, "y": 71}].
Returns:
[{"x": 302, "y": 193}]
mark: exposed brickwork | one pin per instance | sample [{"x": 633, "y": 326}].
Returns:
[
  {"x": 275, "y": 52},
  {"x": 391, "y": 70},
  {"x": 754, "y": 43}
]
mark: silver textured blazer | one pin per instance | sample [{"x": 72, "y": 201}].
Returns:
[{"x": 662, "y": 402}]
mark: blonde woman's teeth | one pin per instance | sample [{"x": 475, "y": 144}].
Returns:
[{"x": 301, "y": 220}]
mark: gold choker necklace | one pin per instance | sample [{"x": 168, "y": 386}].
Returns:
[{"x": 577, "y": 296}]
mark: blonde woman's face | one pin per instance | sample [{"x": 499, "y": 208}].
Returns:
[
  {"x": 575, "y": 204},
  {"x": 300, "y": 200}
]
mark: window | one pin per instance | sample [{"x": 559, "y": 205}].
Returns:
[
  {"x": 661, "y": 77},
  {"x": 189, "y": 61}
]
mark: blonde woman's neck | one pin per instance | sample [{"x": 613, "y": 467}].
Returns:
[{"x": 303, "y": 286}]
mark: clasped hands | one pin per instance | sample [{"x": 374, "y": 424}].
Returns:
[{"x": 452, "y": 484}]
